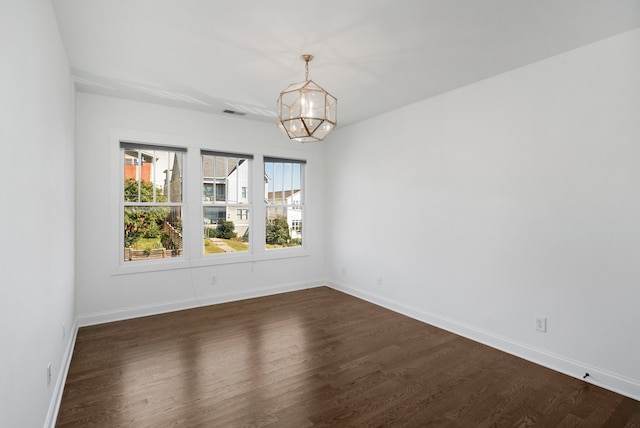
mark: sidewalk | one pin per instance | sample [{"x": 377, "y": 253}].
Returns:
[{"x": 222, "y": 245}]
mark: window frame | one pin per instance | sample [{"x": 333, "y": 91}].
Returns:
[
  {"x": 294, "y": 205},
  {"x": 123, "y": 146},
  {"x": 193, "y": 256},
  {"x": 243, "y": 192}
]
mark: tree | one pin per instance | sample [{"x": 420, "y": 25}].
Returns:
[
  {"x": 141, "y": 221},
  {"x": 226, "y": 230},
  {"x": 146, "y": 191},
  {"x": 278, "y": 231}
]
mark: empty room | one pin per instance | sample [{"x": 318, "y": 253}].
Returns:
[{"x": 304, "y": 214}]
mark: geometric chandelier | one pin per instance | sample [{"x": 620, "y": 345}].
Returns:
[{"x": 306, "y": 112}]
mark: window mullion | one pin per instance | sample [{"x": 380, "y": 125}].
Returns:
[
  {"x": 139, "y": 175},
  {"x": 153, "y": 176}
]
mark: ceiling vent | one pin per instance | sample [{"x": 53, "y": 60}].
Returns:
[{"x": 237, "y": 113}]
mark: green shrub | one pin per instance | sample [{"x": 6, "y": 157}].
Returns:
[
  {"x": 278, "y": 231},
  {"x": 211, "y": 232},
  {"x": 153, "y": 230},
  {"x": 226, "y": 230}
]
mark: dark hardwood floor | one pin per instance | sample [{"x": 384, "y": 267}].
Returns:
[{"x": 315, "y": 358}]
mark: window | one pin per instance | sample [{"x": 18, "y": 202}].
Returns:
[
  {"x": 242, "y": 214},
  {"x": 152, "y": 201},
  {"x": 158, "y": 179},
  {"x": 284, "y": 198},
  {"x": 225, "y": 180},
  {"x": 296, "y": 226}
]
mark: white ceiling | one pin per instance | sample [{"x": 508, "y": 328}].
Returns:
[{"x": 373, "y": 55}]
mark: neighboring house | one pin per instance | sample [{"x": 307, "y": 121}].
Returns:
[
  {"x": 173, "y": 187},
  {"x": 132, "y": 161}
]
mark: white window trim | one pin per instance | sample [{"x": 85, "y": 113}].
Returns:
[
  {"x": 303, "y": 203},
  {"x": 192, "y": 206},
  {"x": 250, "y": 172}
]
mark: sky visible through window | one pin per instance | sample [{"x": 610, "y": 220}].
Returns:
[{"x": 282, "y": 176}]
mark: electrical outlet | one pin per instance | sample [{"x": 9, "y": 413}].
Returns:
[
  {"x": 64, "y": 331},
  {"x": 48, "y": 374},
  {"x": 214, "y": 280},
  {"x": 379, "y": 279},
  {"x": 541, "y": 324},
  {"x": 344, "y": 271}
]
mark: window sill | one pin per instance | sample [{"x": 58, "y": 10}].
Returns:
[{"x": 207, "y": 260}]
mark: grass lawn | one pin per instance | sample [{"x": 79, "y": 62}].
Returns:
[
  {"x": 212, "y": 248},
  {"x": 144, "y": 243},
  {"x": 237, "y": 244},
  {"x": 209, "y": 247}
]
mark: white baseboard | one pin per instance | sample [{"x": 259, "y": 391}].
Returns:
[
  {"x": 56, "y": 398},
  {"x": 178, "y": 305},
  {"x": 603, "y": 378}
]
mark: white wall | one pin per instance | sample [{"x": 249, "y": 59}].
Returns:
[
  {"x": 104, "y": 291},
  {"x": 519, "y": 197},
  {"x": 37, "y": 215}
]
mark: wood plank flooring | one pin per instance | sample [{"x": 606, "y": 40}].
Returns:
[{"x": 314, "y": 358}]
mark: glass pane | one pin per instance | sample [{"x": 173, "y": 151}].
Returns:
[
  {"x": 283, "y": 227},
  {"x": 283, "y": 181},
  {"x": 152, "y": 175},
  {"x": 172, "y": 175},
  {"x": 220, "y": 193},
  {"x": 268, "y": 181},
  {"x": 214, "y": 215},
  {"x": 284, "y": 199},
  {"x": 225, "y": 179},
  {"x": 152, "y": 232},
  {"x": 207, "y": 192},
  {"x": 226, "y": 229},
  {"x": 225, "y": 188}
]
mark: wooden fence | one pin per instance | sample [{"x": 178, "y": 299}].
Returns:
[
  {"x": 157, "y": 253},
  {"x": 173, "y": 234}
]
